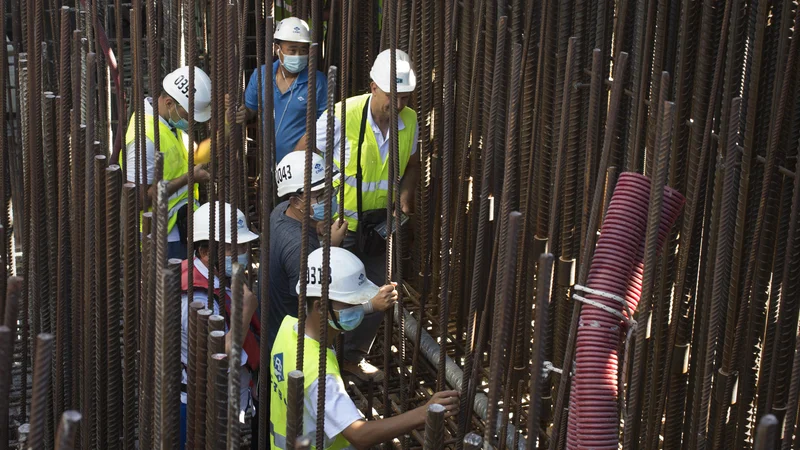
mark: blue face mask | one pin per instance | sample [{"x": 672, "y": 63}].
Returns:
[
  {"x": 349, "y": 318},
  {"x": 241, "y": 259},
  {"x": 295, "y": 63},
  {"x": 181, "y": 124},
  {"x": 319, "y": 209}
]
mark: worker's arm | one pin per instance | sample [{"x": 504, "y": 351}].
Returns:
[
  {"x": 200, "y": 176},
  {"x": 249, "y": 308},
  {"x": 408, "y": 185},
  {"x": 249, "y": 110},
  {"x": 363, "y": 434}
]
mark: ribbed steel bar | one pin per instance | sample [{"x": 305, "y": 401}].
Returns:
[
  {"x": 294, "y": 408},
  {"x": 326, "y": 261},
  {"x": 113, "y": 180},
  {"x": 767, "y": 433},
  {"x": 171, "y": 374},
  {"x": 99, "y": 308},
  {"x": 310, "y": 137},
  {"x": 130, "y": 284},
  {"x": 68, "y": 429},
  {"x": 502, "y": 312},
  {"x": 267, "y": 139},
  {"x": 633, "y": 414},
  {"x": 544, "y": 281},
  {"x": 472, "y": 442},
  {"x": 5, "y": 248},
  {"x": 191, "y": 371},
  {"x": 217, "y": 402},
  {"x": 42, "y": 377},
  {"x": 197, "y": 397},
  {"x": 6, "y": 378},
  {"x": 589, "y": 241},
  {"x": 235, "y": 356},
  {"x": 434, "y": 428},
  {"x": 76, "y": 221}
]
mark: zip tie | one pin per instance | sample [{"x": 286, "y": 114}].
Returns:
[{"x": 630, "y": 321}]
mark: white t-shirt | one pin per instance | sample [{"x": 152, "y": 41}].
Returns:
[
  {"x": 200, "y": 296},
  {"x": 340, "y": 411},
  {"x": 383, "y": 141},
  {"x": 147, "y": 172}
]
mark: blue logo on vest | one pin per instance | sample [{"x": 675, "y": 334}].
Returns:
[{"x": 277, "y": 364}]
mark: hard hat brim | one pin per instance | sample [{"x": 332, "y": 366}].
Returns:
[
  {"x": 246, "y": 236},
  {"x": 359, "y": 297},
  {"x": 202, "y": 115},
  {"x": 401, "y": 88}
]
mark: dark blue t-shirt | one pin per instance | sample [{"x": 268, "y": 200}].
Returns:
[{"x": 284, "y": 266}]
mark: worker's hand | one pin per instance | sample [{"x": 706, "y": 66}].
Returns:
[
  {"x": 200, "y": 174},
  {"x": 338, "y": 232},
  {"x": 241, "y": 114},
  {"x": 250, "y": 299},
  {"x": 407, "y": 201},
  {"x": 448, "y": 399},
  {"x": 230, "y": 112},
  {"x": 386, "y": 298}
]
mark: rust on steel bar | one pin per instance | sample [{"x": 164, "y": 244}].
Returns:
[
  {"x": 191, "y": 58},
  {"x": 190, "y": 366},
  {"x": 544, "y": 281},
  {"x": 99, "y": 308},
  {"x": 267, "y": 139},
  {"x": 390, "y": 20},
  {"x": 216, "y": 344},
  {"x": 42, "y": 377},
  {"x": 218, "y": 404},
  {"x": 294, "y": 408},
  {"x": 324, "y": 304},
  {"x": 68, "y": 429},
  {"x": 6, "y": 364},
  {"x": 197, "y": 401},
  {"x": 171, "y": 374},
  {"x": 502, "y": 312},
  {"x": 767, "y": 433},
  {"x": 113, "y": 180},
  {"x": 590, "y": 239},
  {"x": 636, "y": 402},
  {"x": 130, "y": 284},
  {"x": 235, "y": 354},
  {"x": 434, "y": 428},
  {"x": 310, "y": 138}
]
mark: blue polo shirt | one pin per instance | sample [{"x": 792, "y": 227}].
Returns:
[{"x": 290, "y": 106}]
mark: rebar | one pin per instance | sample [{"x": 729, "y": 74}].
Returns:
[
  {"x": 217, "y": 405},
  {"x": 294, "y": 405},
  {"x": 544, "y": 280},
  {"x": 130, "y": 290},
  {"x": 197, "y": 402},
  {"x": 6, "y": 378},
  {"x": 191, "y": 370},
  {"x": 42, "y": 376},
  {"x": 235, "y": 356},
  {"x": 434, "y": 427},
  {"x": 68, "y": 430}
]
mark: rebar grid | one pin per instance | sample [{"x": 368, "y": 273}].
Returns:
[{"x": 72, "y": 249}]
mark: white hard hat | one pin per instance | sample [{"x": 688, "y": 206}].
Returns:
[
  {"x": 292, "y": 29},
  {"x": 349, "y": 283},
  {"x": 290, "y": 170},
  {"x": 380, "y": 73},
  {"x": 201, "y": 225},
  {"x": 176, "y": 84}
]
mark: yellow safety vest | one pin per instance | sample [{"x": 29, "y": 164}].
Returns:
[
  {"x": 176, "y": 162},
  {"x": 374, "y": 172},
  {"x": 284, "y": 360}
]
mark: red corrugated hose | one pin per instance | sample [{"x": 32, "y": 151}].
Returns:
[{"x": 617, "y": 268}]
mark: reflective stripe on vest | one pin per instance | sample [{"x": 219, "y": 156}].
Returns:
[
  {"x": 176, "y": 162},
  {"x": 374, "y": 171},
  {"x": 284, "y": 360}
]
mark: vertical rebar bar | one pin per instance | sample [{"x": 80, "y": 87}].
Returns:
[
  {"x": 6, "y": 379},
  {"x": 544, "y": 281},
  {"x": 42, "y": 374},
  {"x": 113, "y": 180},
  {"x": 294, "y": 406},
  {"x": 235, "y": 355},
  {"x": 130, "y": 283},
  {"x": 68, "y": 430},
  {"x": 434, "y": 428},
  {"x": 191, "y": 370}
]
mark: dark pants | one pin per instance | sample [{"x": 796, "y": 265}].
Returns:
[{"x": 358, "y": 342}]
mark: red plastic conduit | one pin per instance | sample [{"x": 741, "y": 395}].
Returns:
[{"x": 617, "y": 268}]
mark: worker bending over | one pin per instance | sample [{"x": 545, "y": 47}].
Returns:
[
  {"x": 286, "y": 230},
  {"x": 345, "y": 427},
  {"x": 201, "y": 289},
  {"x": 173, "y": 106},
  {"x": 290, "y": 87},
  {"x": 366, "y": 173}
]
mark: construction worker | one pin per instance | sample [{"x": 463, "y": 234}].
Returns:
[
  {"x": 366, "y": 172},
  {"x": 173, "y": 104},
  {"x": 285, "y": 236},
  {"x": 202, "y": 289},
  {"x": 290, "y": 87},
  {"x": 345, "y": 427}
]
